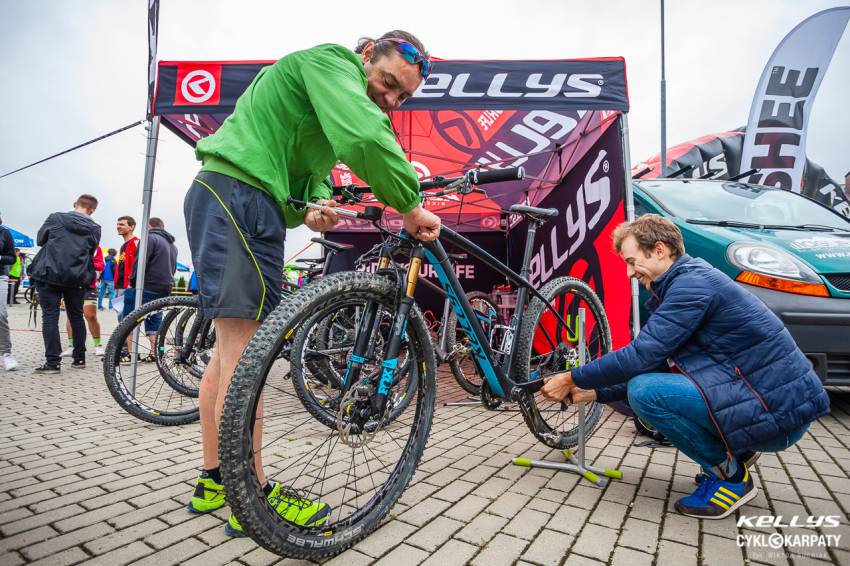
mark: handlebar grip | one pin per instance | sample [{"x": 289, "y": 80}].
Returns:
[{"x": 496, "y": 175}]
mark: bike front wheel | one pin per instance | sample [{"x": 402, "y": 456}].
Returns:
[{"x": 357, "y": 476}]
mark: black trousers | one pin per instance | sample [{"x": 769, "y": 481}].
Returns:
[{"x": 48, "y": 299}]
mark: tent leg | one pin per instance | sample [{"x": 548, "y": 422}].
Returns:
[
  {"x": 630, "y": 210},
  {"x": 141, "y": 262}
]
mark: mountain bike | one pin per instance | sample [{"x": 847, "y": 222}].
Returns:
[{"x": 361, "y": 466}]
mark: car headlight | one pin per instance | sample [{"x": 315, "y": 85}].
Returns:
[{"x": 771, "y": 261}]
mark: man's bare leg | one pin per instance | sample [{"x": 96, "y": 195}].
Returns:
[
  {"x": 90, "y": 314},
  {"x": 232, "y": 336}
]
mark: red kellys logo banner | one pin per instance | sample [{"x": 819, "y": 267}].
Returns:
[{"x": 577, "y": 242}]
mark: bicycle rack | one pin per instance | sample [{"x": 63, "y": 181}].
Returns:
[{"x": 576, "y": 460}]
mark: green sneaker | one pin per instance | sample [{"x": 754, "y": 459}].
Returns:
[
  {"x": 296, "y": 510},
  {"x": 208, "y": 496}
]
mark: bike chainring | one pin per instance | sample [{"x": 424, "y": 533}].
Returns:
[{"x": 488, "y": 399}]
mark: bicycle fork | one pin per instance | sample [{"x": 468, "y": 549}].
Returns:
[{"x": 368, "y": 327}]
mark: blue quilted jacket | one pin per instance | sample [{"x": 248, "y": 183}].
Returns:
[{"x": 756, "y": 382}]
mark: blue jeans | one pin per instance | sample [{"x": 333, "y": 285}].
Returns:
[
  {"x": 153, "y": 321},
  {"x": 673, "y": 405},
  {"x": 104, "y": 288}
]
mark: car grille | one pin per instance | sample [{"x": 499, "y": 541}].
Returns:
[
  {"x": 838, "y": 367},
  {"x": 839, "y": 280}
]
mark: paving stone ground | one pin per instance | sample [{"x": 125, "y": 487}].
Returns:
[{"x": 81, "y": 481}]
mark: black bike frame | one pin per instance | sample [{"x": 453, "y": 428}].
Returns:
[{"x": 497, "y": 376}]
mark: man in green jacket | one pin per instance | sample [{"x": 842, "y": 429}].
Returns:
[{"x": 298, "y": 117}]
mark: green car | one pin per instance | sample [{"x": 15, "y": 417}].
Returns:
[{"x": 788, "y": 250}]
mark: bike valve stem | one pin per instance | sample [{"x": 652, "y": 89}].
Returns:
[{"x": 413, "y": 275}]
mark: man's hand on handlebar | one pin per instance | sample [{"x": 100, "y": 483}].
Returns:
[
  {"x": 422, "y": 224},
  {"x": 324, "y": 219}
]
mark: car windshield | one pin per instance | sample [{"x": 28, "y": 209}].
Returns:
[{"x": 710, "y": 202}]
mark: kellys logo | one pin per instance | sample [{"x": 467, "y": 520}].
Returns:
[
  {"x": 592, "y": 200},
  {"x": 511, "y": 85},
  {"x": 502, "y": 85},
  {"x": 198, "y": 85}
]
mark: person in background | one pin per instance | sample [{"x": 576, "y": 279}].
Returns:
[
  {"x": 89, "y": 311},
  {"x": 107, "y": 279},
  {"x": 63, "y": 269},
  {"x": 160, "y": 265},
  {"x": 15, "y": 273},
  {"x": 7, "y": 258},
  {"x": 126, "y": 256}
]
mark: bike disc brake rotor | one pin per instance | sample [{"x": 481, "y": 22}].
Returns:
[{"x": 354, "y": 429}]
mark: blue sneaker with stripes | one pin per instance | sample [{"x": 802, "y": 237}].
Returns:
[{"x": 716, "y": 499}]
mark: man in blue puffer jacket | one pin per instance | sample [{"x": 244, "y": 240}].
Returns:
[{"x": 713, "y": 369}]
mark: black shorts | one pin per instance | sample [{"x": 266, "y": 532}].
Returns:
[
  {"x": 236, "y": 235},
  {"x": 90, "y": 297}
]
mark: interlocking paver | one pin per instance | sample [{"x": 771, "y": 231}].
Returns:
[
  {"x": 502, "y": 550},
  {"x": 549, "y": 547},
  {"x": 481, "y": 529},
  {"x": 79, "y": 476},
  {"x": 403, "y": 554},
  {"x": 596, "y": 542}
]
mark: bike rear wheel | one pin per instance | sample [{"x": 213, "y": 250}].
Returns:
[
  {"x": 544, "y": 346},
  {"x": 359, "y": 478},
  {"x": 184, "y": 346}
]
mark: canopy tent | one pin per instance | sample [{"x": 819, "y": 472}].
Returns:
[
  {"x": 550, "y": 117},
  {"x": 21, "y": 239}
]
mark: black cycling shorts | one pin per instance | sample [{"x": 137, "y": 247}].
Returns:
[{"x": 236, "y": 235}]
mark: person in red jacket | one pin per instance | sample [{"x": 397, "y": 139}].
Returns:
[{"x": 89, "y": 310}]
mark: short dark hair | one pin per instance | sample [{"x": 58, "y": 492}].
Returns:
[
  {"x": 386, "y": 47},
  {"x": 155, "y": 222},
  {"x": 112, "y": 251},
  {"x": 648, "y": 230},
  {"x": 128, "y": 219},
  {"x": 86, "y": 201}
]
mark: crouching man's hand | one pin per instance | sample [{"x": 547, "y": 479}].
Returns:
[
  {"x": 558, "y": 387},
  {"x": 579, "y": 395}
]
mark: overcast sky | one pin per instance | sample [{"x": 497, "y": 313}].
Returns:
[{"x": 75, "y": 69}]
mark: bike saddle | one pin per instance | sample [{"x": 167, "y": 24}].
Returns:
[
  {"x": 316, "y": 260},
  {"x": 335, "y": 246},
  {"x": 533, "y": 213}
]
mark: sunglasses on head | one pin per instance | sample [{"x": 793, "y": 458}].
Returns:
[{"x": 410, "y": 54}]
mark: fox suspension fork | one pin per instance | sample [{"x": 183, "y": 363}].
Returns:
[
  {"x": 367, "y": 328},
  {"x": 389, "y": 367}
]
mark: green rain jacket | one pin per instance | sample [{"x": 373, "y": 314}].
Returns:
[{"x": 297, "y": 119}]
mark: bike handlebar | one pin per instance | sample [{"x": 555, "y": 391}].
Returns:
[
  {"x": 474, "y": 176},
  {"x": 370, "y": 213}
]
